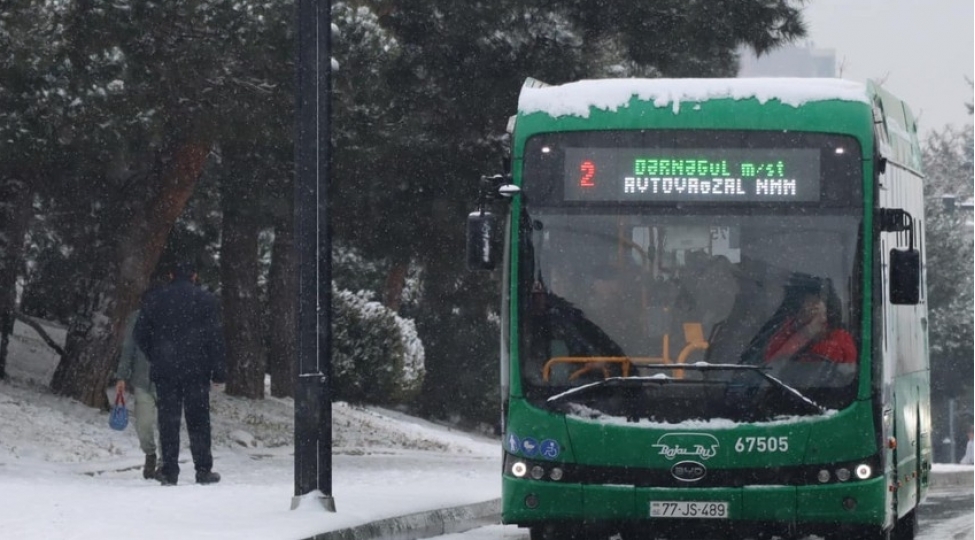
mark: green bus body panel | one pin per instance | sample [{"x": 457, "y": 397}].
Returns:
[
  {"x": 842, "y": 436},
  {"x": 838, "y": 436},
  {"x": 823, "y": 439}
]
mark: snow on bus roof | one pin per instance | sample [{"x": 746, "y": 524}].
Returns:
[{"x": 577, "y": 98}]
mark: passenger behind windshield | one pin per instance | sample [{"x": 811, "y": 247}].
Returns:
[
  {"x": 613, "y": 303},
  {"x": 813, "y": 332},
  {"x": 607, "y": 322}
]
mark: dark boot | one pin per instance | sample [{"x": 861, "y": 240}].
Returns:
[
  {"x": 149, "y": 469},
  {"x": 207, "y": 477},
  {"x": 165, "y": 480}
]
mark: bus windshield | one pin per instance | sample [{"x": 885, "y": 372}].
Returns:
[{"x": 634, "y": 294}]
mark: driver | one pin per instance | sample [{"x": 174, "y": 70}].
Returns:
[
  {"x": 612, "y": 310},
  {"x": 813, "y": 330}
]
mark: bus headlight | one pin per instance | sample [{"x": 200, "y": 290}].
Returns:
[
  {"x": 555, "y": 474},
  {"x": 863, "y": 471},
  {"x": 519, "y": 469},
  {"x": 823, "y": 476},
  {"x": 538, "y": 472},
  {"x": 843, "y": 474}
]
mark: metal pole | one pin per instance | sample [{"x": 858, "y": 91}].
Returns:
[
  {"x": 952, "y": 457},
  {"x": 313, "y": 411}
]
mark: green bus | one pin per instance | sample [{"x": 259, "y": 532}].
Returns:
[{"x": 713, "y": 309}]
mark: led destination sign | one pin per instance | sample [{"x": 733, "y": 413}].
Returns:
[{"x": 692, "y": 175}]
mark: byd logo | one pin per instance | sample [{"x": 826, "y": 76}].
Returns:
[
  {"x": 688, "y": 471},
  {"x": 694, "y": 445}
]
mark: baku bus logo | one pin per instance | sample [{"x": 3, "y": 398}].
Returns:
[{"x": 687, "y": 445}]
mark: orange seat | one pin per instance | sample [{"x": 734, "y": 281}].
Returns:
[
  {"x": 694, "y": 337},
  {"x": 588, "y": 362}
]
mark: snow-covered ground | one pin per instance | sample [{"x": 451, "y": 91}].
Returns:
[{"x": 65, "y": 474}]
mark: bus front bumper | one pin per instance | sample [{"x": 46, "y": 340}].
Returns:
[{"x": 796, "y": 508}]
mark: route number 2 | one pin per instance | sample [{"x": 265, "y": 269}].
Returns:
[
  {"x": 748, "y": 445},
  {"x": 588, "y": 170}
]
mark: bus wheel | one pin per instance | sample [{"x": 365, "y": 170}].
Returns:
[
  {"x": 550, "y": 532},
  {"x": 871, "y": 533},
  {"x": 906, "y": 527},
  {"x": 560, "y": 532},
  {"x": 540, "y": 533}
]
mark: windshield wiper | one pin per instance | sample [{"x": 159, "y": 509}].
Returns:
[
  {"x": 786, "y": 389},
  {"x": 763, "y": 371},
  {"x": 633, "y": 382},
  {"x": 617, "y": 382}
]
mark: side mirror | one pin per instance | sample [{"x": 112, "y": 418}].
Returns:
[
  {"x": 482, "y": 245},
  {"x": 905, "y": 276}
]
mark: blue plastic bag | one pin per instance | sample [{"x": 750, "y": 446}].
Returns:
[{"x": 118, "y": 418}]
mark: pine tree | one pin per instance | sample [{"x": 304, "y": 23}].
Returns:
[
  {"x": 172, "y": 75},
  {"x": 948, "y": 233},
  {"x": 29, "y": 105}
]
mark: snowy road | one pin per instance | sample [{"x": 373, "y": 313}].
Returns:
[{"x": 946, "y": 515}]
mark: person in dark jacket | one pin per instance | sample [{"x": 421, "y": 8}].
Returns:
[{"x": 179, "y": 330}]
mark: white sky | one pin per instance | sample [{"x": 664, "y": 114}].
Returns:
[{"x": 923, "y": 49}]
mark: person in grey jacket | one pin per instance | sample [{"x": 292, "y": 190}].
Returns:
[{"x": 133, "y": 371}]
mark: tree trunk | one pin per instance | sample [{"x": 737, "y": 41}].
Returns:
[
  {"x": 282, "y": 297},
  {"x": 241, "y": 305},
  {"x": 15, "y": 212},
  {"x": 36, "y": 326},
  {"x": 282, "y": 291},
  {"x": 120, "y": 275},
  {"x": 89, "y": 357},
  {"x": 395, "y": 281}
]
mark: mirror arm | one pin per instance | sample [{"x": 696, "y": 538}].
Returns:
[
  {"x": 896, "y": 220},
  {"x": 495, "y": 187}
]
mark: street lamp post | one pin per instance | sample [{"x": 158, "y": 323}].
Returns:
[{"x": 313, "y": 243}]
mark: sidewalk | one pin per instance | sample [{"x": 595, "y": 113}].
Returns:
[{"x": 374, "y": 495}]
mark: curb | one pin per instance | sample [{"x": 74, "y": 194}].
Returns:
[
  {"x": 951, "y": 479},
  {"x": 456, "y": 519}
]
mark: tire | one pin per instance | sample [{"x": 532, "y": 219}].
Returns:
[
  {"x": 552, "y": 532},
  {"x": 565, "y": 532},
  {"x": 864, "y": 533},
  {"x": 872, "y": 533},
  {"x": 906, "y": 527},
  {"x": 540, "y": 533}
]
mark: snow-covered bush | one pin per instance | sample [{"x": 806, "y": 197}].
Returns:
[{"x": 377, "y": 355}]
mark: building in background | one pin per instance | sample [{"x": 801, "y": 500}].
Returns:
[
  {"x": 789, "y": 61},
  {"x": 966, "y": 210}
]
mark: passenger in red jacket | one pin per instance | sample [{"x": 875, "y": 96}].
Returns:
[{"x": 812, "y": 331}]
